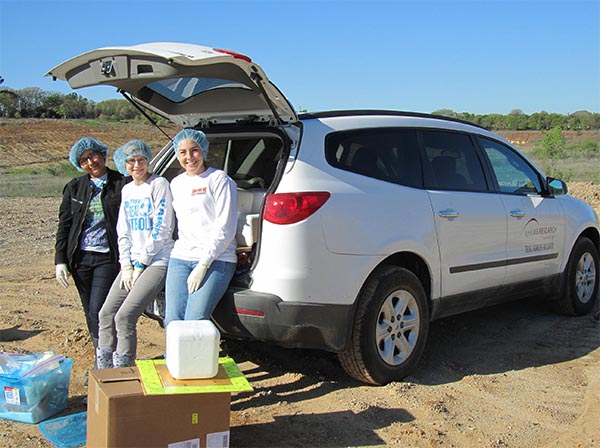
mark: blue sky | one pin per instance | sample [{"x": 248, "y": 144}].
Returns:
[{"x": 468, "y": 56}]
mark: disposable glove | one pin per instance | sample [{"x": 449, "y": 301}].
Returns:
[
  {"x": 126, "y": 277},
  {"x": 137, "y": 271},
  {"x": 62, "y": 273},
  {"x": 195, "y": 278}
]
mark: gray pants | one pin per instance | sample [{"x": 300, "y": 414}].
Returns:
[{"x": 120, "y": 312}]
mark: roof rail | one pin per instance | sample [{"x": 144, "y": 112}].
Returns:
[{"x": 347, "y": 113}]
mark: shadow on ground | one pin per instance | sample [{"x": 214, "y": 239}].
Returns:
[
  {"x": 329, "y": 428},
  {"x": 16, "y": 334},
  {"x": 512, "y": 336}
]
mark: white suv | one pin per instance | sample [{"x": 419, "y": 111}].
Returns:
[{"x": 358, "y": 228}]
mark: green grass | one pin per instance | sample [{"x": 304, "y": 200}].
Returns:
[
  {"x": 32, "y": 185},
  {"x": 576, "y": 166},
  {"x": 40, "y": 181},
  {"x": 53, "y": 169}
]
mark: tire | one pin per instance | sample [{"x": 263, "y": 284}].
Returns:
[
  {"x": 581, "y": 284},
  {"x": 390, "y": 327}
]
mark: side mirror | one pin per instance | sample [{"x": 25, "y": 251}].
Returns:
[{"x": 556, "y": 187}]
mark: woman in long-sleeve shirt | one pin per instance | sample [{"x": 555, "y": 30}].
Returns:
[
  {"x": 144, "y": 228},
  {"x": 203, "y": 260}
]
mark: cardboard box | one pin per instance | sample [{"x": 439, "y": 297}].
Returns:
[{"x": 121, "y": 415}]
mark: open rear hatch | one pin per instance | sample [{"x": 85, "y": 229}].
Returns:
[{"x": 191, "y": 85}]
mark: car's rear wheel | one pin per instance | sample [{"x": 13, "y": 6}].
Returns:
[
  {"x": 390, "y": 327},
  {"x": 581, "y": 287}
]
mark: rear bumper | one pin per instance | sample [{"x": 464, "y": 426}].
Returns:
[{"x": 246, "y": 314}]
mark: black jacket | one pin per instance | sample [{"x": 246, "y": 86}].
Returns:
[{"x": 71, "y": 216}]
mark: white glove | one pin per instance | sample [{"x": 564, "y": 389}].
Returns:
[
  {"x": 126, "y": 276},
  {"x": 62, "y": 273},
  {"x": 136, "y": 274},
  {"x": 195, "y": 278}
]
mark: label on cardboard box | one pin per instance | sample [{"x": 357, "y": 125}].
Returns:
[
  {"x": 193, "y": 443},
  {"x": 217, "y": 440},
  {"x": 12, "y": 396},
  {"x": 213, "y": 440}
]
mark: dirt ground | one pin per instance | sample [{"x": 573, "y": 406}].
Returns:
[{"x": 514, "y": 375}]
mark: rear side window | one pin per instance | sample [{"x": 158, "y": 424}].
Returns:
[
  {"x": 387, "y": 154},
  {"x": 453, "y": 163},
  {"x": 513, "y": 174}
]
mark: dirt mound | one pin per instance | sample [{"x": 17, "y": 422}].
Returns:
[
  {"x": 525, "y": 139},
  {"x": 28, "y": 142}
]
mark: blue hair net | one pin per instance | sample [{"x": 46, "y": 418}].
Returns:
[
  {"x": 130, "y": 149},
  {"x": 83, "y": 145},
  {"x": 191, "y": 134}
]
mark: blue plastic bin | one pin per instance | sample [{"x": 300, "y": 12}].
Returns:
[{"x": 35, "y": 395}]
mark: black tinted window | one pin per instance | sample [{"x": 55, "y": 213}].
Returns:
[
  {"x": 453, "y": 162},
  {"x": 387, "y": 154}
]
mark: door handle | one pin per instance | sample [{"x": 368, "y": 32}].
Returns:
[
  {"x": 517, "y": 213},
  {"x": 448, "y": 213}
]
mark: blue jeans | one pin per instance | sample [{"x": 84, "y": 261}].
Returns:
[
  {"x": 200, "y": 304},
  {"x": 93, "y": 276}
]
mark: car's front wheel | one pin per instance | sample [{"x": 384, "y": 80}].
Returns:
[
  {"x": 581, "y": 287},
  {"x": 390, "y": 327}
]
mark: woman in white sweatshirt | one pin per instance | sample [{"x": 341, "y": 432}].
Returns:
[
  {"x": 203, "y": 259},
  {"x": 145, "y": 229}
]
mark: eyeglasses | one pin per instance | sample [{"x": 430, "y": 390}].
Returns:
[
  {"x": 86, "y": 159},
  {"x": 141, "y": 161}
]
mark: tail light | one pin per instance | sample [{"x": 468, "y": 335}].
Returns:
[
  {"x": 288, "y": 208},
  {"x": 233, "y": 53}
]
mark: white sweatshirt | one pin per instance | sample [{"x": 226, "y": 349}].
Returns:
[
  {"x": 206, "y": 210},
  {"x": 145, "y": 224}
]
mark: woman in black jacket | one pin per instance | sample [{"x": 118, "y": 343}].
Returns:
[{"x": 86, "y": 239}]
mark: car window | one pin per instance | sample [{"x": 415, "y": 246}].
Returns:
[
  {"x": 513, "y": 174},
  {"x": 250, "y": 161},
  {"x": 453, "y": 162},
  {"x": 253, "y": 161},
  {"x": 178, "y": 90},
  {"x": 387, "y": 154}
]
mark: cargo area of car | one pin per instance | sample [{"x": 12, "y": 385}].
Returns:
[{"x": 251, "y": 160}]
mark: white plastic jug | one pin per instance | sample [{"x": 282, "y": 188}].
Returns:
[{"x": 192, "y": 349}]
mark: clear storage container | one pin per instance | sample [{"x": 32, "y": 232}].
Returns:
[{"x": 33, "y": 387}]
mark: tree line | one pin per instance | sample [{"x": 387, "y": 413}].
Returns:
[
  {"x": 33, "y": 102},
  {"x": 516, "y": 120}
]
